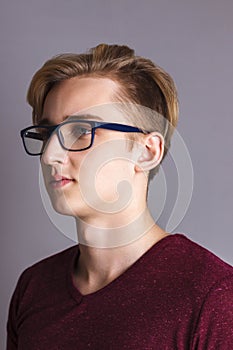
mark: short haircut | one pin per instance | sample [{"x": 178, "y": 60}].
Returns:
[{"x": 140, "y": 81}]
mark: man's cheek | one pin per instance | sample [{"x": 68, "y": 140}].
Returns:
[{"x": 106, "y": 179}]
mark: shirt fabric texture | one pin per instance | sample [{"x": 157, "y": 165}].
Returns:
[{"x": 177, "y": 295}]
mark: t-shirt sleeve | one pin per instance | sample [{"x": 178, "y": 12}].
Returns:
[
  {"x": 12, "y": 322},
  {"x": 215, "y": 326}
]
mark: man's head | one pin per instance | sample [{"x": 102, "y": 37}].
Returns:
[{"x": 140, "y": 82}]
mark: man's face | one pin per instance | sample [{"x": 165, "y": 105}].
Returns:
[{"x": 86, "y": 183}]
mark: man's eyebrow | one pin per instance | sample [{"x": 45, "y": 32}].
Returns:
[
  {"x": 83, "y": 117},
  {"x": 46, "y": 121}
]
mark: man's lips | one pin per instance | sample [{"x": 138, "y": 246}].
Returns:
[{"x": 60, "y": 181}]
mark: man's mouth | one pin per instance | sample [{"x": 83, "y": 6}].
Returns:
[{"x": 60, "y": 181}]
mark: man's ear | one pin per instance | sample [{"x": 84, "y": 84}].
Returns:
[{"x": 151, "y": 152}]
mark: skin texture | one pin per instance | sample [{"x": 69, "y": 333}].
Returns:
[{"x": 93, "y": 195}]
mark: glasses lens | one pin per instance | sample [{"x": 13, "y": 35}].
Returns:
[
  {"x": 75, "y": 135},
  {"x": 35, "y": 139}
]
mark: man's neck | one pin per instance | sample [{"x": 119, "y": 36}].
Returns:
[{"x": 99, "y": 265}]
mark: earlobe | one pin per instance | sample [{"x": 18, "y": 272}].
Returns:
[{"x": 151, "y": 152}]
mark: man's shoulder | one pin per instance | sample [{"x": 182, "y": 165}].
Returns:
[
  {"x": 194, "y": 262},
  {"x": 198, "y": 253},
  {"x": 54, "y": 264},
  {"x": 186, "y": 251},
  {"x": 56, "y": 257},
  {"x": 44, "y": 281}
]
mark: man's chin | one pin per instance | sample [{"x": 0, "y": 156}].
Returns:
[
  {"x": 63, "y": 211},
  {"x": 69, "y": 210}
]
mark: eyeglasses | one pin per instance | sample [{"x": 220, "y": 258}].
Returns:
[{"x": 73, "y": 135}]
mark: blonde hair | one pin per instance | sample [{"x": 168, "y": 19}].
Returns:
[{"x": 141, "y": 82}]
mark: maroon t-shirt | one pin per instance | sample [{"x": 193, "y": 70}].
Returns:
[{"x": 177, "y": 295}]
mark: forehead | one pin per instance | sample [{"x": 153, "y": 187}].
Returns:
[{"x": 77, "y": 96}]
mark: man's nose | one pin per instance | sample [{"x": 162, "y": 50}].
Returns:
[{"x": 54, "y": 152}]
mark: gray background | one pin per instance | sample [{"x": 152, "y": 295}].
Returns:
[{"x": 192, "y": 40}]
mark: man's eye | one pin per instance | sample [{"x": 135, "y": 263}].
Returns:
[
  {"x": 78, "y": 132},
  {"x": 74, "y": 131},
  {"x": 84, "y": 131}
]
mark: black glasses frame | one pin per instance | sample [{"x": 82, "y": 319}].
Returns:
[{"x": 94, "y": 125}]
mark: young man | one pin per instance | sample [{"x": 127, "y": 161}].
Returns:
[{"x": 102, "y": 125}]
